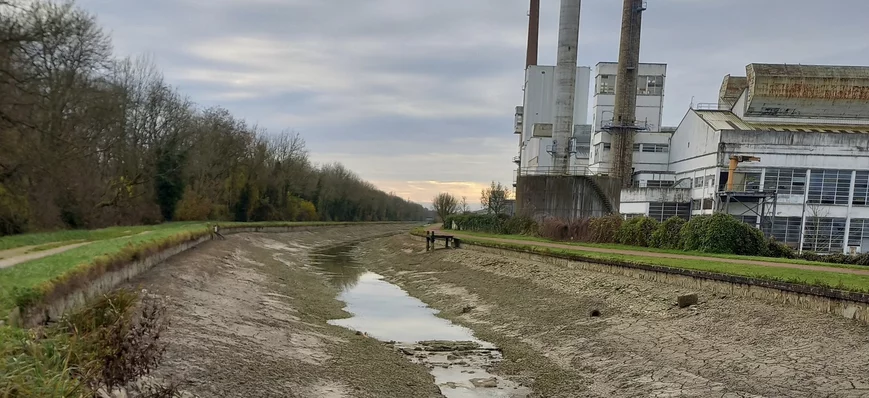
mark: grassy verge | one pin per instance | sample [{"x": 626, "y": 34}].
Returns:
[
  {"x": 614, "y": 246},
  {"x": 41, "y": 280},
  {"x": 833, "y": 280},
  {"x": 42, "y": 238}
]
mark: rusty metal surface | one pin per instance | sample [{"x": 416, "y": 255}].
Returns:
[
  {"x": 731, "y": 88},
  {"x": 808, "y": 81},
  {"x": 726, "y": 120}
]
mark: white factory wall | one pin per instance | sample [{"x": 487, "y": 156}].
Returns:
[{"x": 539, "y": 108}]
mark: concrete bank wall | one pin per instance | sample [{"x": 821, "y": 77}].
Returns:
[
  {"x": 846, "y": 304},
  {"x": 106, "y": 282}
]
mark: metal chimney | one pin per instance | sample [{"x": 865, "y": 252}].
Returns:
[
  {"x": 565, "y": 77},
  {"x": 533, "y": 33},
  {"x": 624, "y": 123}
]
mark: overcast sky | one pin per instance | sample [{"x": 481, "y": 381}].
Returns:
[{"x": 417, "y": 96}]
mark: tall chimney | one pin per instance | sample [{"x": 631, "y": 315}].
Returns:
[
  {"x": 533, "y": 33},
  {"x": 625, "y": 112},
  {"x": 565, "y": 78}
]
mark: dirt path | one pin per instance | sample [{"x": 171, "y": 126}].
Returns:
[
  {"x": 642, "y": 344},
  {"x": 660, "y": 255},
  {"x": 249, "y": 319},
  {"x": 19, "y": 255}
]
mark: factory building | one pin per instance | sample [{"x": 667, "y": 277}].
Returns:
[{"x": 785, "y": 148}]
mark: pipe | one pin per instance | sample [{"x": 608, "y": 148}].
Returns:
[
  {"x": 533, "y": 34},
  {"x": 565, "y": 78},
  {"x": 734, "y": 161}
]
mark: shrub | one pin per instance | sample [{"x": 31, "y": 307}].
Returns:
[
  {"x": 604, "y": 229},
  {"x": 637, "y": 231},
  {"x": 554, "y": 228},
  {"x": 488, "y": 223},
  {"x": 721, "y": 233},
  {"x": 579, "y": 230},
  {"x": 666, "y": 236},
  {"x": 778, "y": 249},
  {"x": 520, "y": 225}
]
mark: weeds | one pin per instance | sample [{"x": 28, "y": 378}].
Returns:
[{"x": 110, "y": 345}]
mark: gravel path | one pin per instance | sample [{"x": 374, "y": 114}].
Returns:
[
  {"x": 642, "y": 344},
  {"x": 851, "y": 271}
]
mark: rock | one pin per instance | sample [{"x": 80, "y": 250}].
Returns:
[
  {"x": 594, "y": 313},
  {"x": 468, "y": 308},
  {"x": 485, "y": 383},
  {"x": 451, "y": 357},
  {"x": 686, "y": 300}
]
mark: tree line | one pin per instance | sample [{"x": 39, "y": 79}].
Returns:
[
  {"x": 495, "y": 200},
  {"x": 88, "y": 139}
]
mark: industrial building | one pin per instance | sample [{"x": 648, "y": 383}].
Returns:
[{"x": 785, "y": 148}]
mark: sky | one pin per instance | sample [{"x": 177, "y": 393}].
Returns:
[{"x": 418, "y": 96}]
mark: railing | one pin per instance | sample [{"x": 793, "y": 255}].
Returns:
[
  {"x": 710, "y": 106},
  {"x": 553, "y": 171},
  {"x": 516, "y": 159},
  {"x": 638, "y": 125},
  {"x": 752, "y": 187}
]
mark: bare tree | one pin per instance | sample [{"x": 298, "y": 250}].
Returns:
[
  {"x": 494, "y": 198},
  {"x": 445, "y": 205},
  {"x": 463, "y": 205}
]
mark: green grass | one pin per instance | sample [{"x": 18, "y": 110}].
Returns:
[
  {"x": 835, "y": 280},
  {"x": 37, "y": 278},
  {"x": 41, "y": 238},
  {"x": 656, "y": 250}
]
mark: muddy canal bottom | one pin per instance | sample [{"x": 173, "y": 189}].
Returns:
[{"x": 458, "y": 361}]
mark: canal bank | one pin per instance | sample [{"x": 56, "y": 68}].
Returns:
[{"x": 542, "y": 316}]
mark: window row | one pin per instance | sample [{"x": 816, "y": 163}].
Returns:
[
  {"x": 646, "y": 85},
  {"x": 824, "y": 234},
  {"x": 664, "y": 210}
]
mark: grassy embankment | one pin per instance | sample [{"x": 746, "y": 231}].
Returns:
[
  {"x": 834, "y": 280},
  {"x": 41, "y": 279}
]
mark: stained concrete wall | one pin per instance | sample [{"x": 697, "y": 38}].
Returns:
[
  {"x": 846, "y": 304},
  {"x": 567, "y": 197}
]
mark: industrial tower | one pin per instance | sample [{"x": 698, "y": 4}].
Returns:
[{"x": 624, "y": 124}]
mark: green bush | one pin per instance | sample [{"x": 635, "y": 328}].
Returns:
[
  {"x": 520, "y": 225},
  {"x": 488, "y": 223},
  {"x": 666, "y": 236},
  {"x": 721, "y": 233},
  {"x": 778, "y": 249},
  {"x": 637, "y": 231},
  {"x": 604, "y": 229}
]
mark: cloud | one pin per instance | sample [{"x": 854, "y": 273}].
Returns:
[{"x": 418, "y": 96}]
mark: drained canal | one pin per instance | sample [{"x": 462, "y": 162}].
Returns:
[{"x": 458, "y": 361}]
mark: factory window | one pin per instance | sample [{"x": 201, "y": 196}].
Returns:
[
  {"x": 656, "y": 148},
  {"x": 787, "y": 230},
  {"x": 710, "y": 181},
  {"x": 785, "y": 181},
  {"x": 606, "y": 84},
  {"x": 824, "y": 234},
  {"x": 636, "y": 147},
  {"x": 659, "y": 184},
  {"x": 607, "y": 146},
  {"x": 861, "y": 189},
  {"x": 650, "y": 85},
  {"x": 829, "y": 187},
  {"x": 664, "y": 210},
  {"x": 698, "y": 182},
  {"x": 859, "y": 230}
]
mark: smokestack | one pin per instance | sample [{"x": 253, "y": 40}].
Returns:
[
  {"x": 533, "y": 33},
  {"x": 565, "y": 78},
  {"x": 625, "y": 112}
]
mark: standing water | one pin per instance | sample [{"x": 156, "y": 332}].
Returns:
[{"x": 457, "y": 360}]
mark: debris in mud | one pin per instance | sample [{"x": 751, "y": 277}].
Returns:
[
  {"x": 686, "y": 300},
  {"x": 468, "y": 308},
  {"x": 490, "y": 382},
  {"x": 442, "y": 345}
]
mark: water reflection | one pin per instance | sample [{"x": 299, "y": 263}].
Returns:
[{"x": 339, "y": 264}]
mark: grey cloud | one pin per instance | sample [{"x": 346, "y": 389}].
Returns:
[{"x": 390, "y": 87}]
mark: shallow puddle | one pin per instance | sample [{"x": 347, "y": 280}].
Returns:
[{"x": 457, "y": 360}]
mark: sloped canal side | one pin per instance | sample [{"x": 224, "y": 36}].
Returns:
[
  {"x": 458, "y": 361},
  {"x": 248, "y": 318}
]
